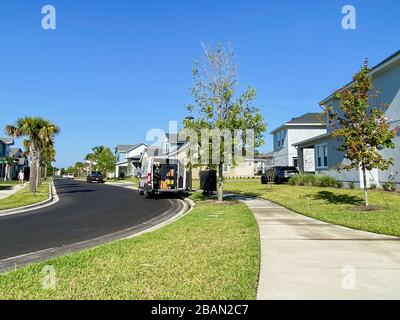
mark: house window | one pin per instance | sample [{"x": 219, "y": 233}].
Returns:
[
  {"x": 322, "y": 156},
  {"x": 282, "y": 138},
  {"x": 167, "y": 148},
  {"x": 279, "y": 139},
  {"x": 295, "y": 162},
  {"x": 249, "y": 163},
  {"x": 225, "y": 168}
]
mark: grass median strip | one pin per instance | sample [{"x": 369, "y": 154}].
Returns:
[
  {"x": 24, "y": 198},
  {"x": 331, "y": 205},
  {"x": 211, "y": 253}
]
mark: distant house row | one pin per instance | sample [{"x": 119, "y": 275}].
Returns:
[
  {"x": 306, "y": 141},
  {"x": 128, "y": 158},
  {"x": 12, "y": 160}
]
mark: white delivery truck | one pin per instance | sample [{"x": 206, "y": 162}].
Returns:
[{"x": 162, "y": 174}]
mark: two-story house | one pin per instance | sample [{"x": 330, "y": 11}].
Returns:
[
  {"x": 5, "y": 144},
  {"x": 297, "y": 129},
  {"x": 127, "y": 159},
  {"x": 386, "y": 79}
]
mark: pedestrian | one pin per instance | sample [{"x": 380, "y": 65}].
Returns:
[{"x": 21, "y": 178}]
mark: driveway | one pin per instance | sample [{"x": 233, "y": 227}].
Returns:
[
  {"x": 87, "y": 214},
  {"x": 303, "y": 258}
]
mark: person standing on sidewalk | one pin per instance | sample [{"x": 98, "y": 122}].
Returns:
[{"x": 21, "y": 178}]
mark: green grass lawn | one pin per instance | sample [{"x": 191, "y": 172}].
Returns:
[
  {"x": 211, "y": 253},
  {"x": 24, "y": 197},
  {"x": 330, "y": 204}
]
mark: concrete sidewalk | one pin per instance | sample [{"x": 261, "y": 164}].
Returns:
[
  {"x": 302, "y": 258},
  {"x": 10, "y": 191}
]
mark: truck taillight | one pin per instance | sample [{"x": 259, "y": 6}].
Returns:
[{"x": 149, "y": 178}]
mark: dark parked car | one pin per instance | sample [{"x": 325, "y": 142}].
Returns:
[
  {"x": 95, "y": 176},
  {"x": 281, "y": 174}
]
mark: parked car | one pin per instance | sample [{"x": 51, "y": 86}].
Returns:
[
  {"x": 95, "y": 176},
  {"x": 70, "y": 176},
  {"x": 281, "y": 174}
]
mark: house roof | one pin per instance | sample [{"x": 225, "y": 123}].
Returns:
[
  {"x": 127, "y": 147},
  {"x": 13, "y": 152},
  {"x": 385, "y": 64},
  {"x": 308, "y": 119},
  {"x": 7, "y": 140},
  {"x": 312, "y": 141}
]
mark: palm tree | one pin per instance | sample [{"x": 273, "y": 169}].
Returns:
[
  {"x": 40, "y": 133},
  {"x": 79, "y": 168},
  {"x": 90, "y": 161},
  {"x": 48, "y": 156}
]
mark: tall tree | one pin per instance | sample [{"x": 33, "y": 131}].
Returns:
[
  {"x": 102, "y": 159},
  {"x": 79, "y": 169},
  {"x": 362, "y": 126},
  {"x": 40, "y": 133},
  {"x": 48, "y": 156},
  {"x": 218, "y": 105}
]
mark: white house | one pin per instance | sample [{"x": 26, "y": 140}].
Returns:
[
  {"x": 297, "y": 129},
  {"x": 386, "y": 79},
  {"x": 127, "y": 158}
]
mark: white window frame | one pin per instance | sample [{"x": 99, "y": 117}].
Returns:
[
  {"x": 225, "y": 168},
  {"x": 321, "y": 152}
]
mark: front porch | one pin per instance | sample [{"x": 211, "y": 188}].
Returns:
[{"x": 129, "y": 168}]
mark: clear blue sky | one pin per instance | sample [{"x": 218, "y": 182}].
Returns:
[{"x": 114, "y": 69}]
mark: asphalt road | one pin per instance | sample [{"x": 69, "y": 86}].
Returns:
[{"x": 85, "y": 211}]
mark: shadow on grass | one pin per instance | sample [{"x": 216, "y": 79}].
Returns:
[{"x": 333, "y": 198}]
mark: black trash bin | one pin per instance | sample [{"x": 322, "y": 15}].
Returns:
[{"x": 208, "y": 182}]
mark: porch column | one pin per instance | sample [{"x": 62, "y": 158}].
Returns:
[{"x": 300, "y": 159}]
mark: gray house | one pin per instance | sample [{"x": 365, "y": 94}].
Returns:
[
  {"x": 5, "y": 144},
  {"x": 386, "y": 79},
  {"x": 298, "y": 129},
  {"x": 127, "y": 158}
]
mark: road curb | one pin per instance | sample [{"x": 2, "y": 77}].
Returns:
[{"x": 51, "y": 200}]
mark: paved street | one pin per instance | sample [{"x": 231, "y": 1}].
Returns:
[
  {"x": 85, "y": 211},
  {"x": 303, "y": 258}
]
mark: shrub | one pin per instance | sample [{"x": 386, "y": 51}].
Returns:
[
  {"x": 122, "y": 175},
  {"x": 326, "y": 181},
  {"x": 373, "y": 186},
  {"x": 352, "y": 185},
  {"x": 302, "y": 179},
  {"x": 339, "y": 184},
  {"x": 389, "y": 186}
]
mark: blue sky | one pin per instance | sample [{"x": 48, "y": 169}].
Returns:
[{"x": 112, "y": 70}]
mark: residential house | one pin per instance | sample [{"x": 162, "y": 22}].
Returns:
[
  {"x": 297, "y": 129},
  {"x": 173, "y": 146},
  {"x": 127, "y": 159},
  {"x": 386, "y": 79},
  {"x": 20, "y": 162},
  {"x": 5, "y": 144}
]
